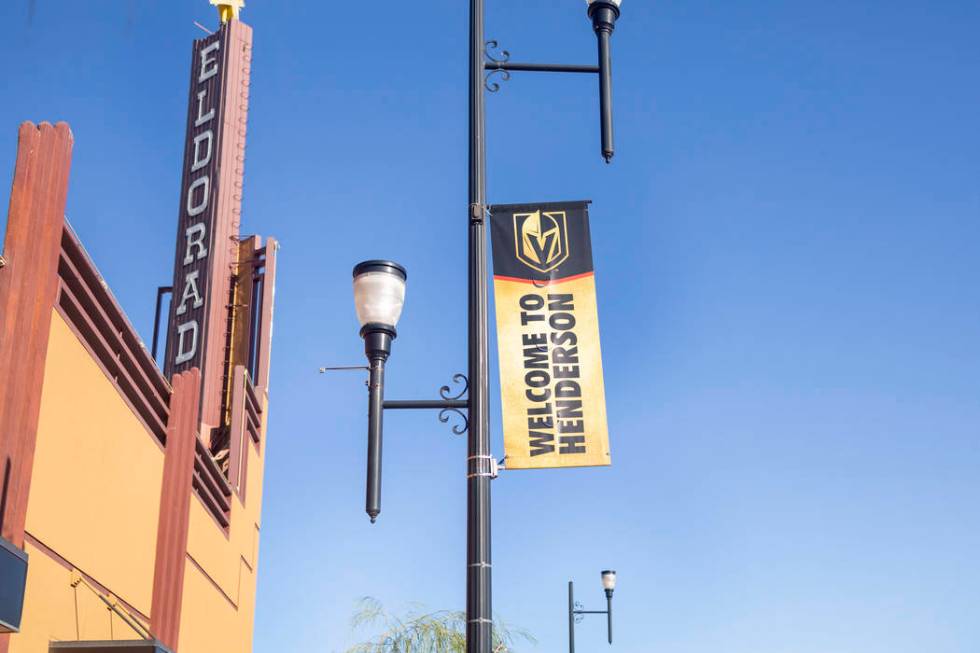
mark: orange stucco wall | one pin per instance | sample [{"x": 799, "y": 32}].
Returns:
[
  {"x": 219, "y": 580},
  {"x": 93, "y": 512}
]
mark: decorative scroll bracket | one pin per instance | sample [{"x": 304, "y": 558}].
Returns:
[
  {"x": 447, "y": 406},
  {"x": 579, "y": 611},
  {"x": 498, "y": 63}
]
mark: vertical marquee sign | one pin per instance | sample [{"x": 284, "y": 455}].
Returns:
[
  {"x": 551, "y": 384},
  {"x": 210, "y": 206}
]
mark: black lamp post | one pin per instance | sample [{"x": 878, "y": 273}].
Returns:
[
  {"x": 576, "y": 613},
  {"x": 379, "y": 288},
  {"x": 604, "y": 14},
  {"x": 379, "y": 294}
]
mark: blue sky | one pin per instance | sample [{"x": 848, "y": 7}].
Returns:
[{"x": 785, "y": 250}]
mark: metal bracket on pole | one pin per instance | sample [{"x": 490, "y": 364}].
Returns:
[
  {"x": 449, "y": 404},
  {"x": 499, "y": 63}
]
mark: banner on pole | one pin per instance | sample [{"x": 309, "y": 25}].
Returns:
[{"x": 551, "y": 385}]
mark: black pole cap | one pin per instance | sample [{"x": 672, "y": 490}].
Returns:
[
  {"x": 604, "y": 14},
  {"x": 595, "y": 5},
  {"x": 389, "y": 267},
  {"x": 377, "y": 340}
]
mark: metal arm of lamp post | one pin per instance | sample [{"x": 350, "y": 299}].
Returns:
[
  {"x": 604, "y": 14},
  {"x": 377, "y": 340}
]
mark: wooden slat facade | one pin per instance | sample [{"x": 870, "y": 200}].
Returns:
[
  {"x": 174, "y": 519},
  {"x": 28, "y": 286}
]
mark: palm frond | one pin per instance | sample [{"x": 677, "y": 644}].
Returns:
[{"x": 442, "y": 631}]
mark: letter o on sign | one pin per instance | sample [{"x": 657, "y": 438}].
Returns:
[{"x": 201, "y": 182}]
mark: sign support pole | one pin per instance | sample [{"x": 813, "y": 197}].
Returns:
[
  {"x": 480, "y": 464},
  {"x": 479, "y": 614}
]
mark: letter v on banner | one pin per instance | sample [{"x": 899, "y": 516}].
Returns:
[{"x": 551, "y": 384}]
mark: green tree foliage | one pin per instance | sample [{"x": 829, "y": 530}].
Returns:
[{"x": 425, "y": 632}]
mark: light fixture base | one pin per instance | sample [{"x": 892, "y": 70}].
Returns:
[
  {"x": 377, "y": 340},
  {"x": 603, "y": 12}
]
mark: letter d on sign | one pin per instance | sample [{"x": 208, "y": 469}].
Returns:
[
  {"x": 185, "y": 353},
  {"x": 201, "y": 161}
]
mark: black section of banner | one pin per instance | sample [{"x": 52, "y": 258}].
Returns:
[{"x": 546, "y": 241}]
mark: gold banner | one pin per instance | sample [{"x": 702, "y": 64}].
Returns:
[{"x": 551, "y": 383}]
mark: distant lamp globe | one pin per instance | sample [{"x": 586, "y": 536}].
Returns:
[{"x": 608, "y": 581}]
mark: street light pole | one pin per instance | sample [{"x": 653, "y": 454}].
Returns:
[
  {"x": 479, "y": 615},
  {"x": 609, "y": 615},
  {"x": 379, "y": 289}
]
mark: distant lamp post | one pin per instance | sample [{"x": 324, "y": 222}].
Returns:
[
  {"x": 379, "y": 295},
  {"x": 576, "y": 612},
  {"x": 604, "y": 14}
]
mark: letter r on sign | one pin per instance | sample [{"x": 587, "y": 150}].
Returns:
[{"x": 195, "y": 238}]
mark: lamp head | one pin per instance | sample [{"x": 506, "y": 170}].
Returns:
[
  {"x": 608, "y": 581},
  {"x": 379, "y": 295}
]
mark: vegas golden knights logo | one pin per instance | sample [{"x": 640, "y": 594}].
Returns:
[{"x": 541, "y": 239}]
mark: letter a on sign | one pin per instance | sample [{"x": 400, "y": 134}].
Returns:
[{"x": 551, "y": 384}]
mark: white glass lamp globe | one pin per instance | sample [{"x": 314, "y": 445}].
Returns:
[
  {"x": 615, "y": 2},
  {"x": 608, "y": 580},
  {"x": 379, "y": 292}
]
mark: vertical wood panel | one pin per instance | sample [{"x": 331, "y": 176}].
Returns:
[
  {"x": 264, "y": 332},
  {"x": 28, "y": 288},
  {"x": 242, "y": 314},
  {"x": 175, "y": 503},
  {"x": 228, "y": 211},
  {"x": 237, "y": 446}
]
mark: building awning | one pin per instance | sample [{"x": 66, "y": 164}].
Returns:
[{"x": 116, "y": 646}]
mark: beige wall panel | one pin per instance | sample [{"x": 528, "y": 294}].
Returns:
[
  {"x": 253, "y": 505},
  {"x": 212, "y": 549},
  {"x": 95, "y": 492},
  {"x": 246, "y": 608},
  {"x": 208, "y": 622},
  {"x": 219, "y": 554},
  {"x": 49, "y": 605}
]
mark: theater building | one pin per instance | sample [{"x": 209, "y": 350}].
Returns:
[{"x": 132, "y": 491}]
